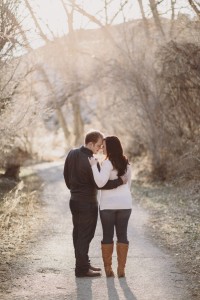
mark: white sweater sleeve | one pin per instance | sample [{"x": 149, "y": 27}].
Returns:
[
  {"x": 101, "y": 177},
  {"x": 129, "y": 175}
]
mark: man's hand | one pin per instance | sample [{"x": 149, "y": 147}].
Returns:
[
  {"x": 93, "y": 161},
  {"x": 124, "y": 178}
]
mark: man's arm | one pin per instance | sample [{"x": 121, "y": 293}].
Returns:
[
  {"x": 112, "y": 184},
  {"x": 66, "y": 173}
]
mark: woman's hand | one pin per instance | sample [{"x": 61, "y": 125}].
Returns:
[{"x": 93, "y": 161}]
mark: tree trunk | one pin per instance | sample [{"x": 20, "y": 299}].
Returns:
[
  {"x": 37, "y": 25},
  {"x": 146, "y": 27},
  {"x": 12, "y": 171},
  {"x": 194, "y": 7},
  {"x": 78, "y": 121},
  {"x": 57, "y": 108},
  {"x": 173, "y": 2},
  {"x": 156, "y": 17}
]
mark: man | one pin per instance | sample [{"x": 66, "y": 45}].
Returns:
[{"x": 83, "y": 202}]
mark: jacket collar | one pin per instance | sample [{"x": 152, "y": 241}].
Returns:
[{"x": 86, "y": 151}]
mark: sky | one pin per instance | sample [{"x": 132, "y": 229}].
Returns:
[{"x": 52, "y": 13}]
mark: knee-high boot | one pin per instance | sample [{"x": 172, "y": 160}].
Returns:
[
  {"x": 107, "y": 251},
  {"x": 122, "y": 250}
]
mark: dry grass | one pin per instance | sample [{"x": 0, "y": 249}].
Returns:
[
  {"x": 175, "y": 223},
  {"x": 19, "y": 209}
]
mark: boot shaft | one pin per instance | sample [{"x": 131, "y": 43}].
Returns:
[
  {"x": 122, "y": 250},
  {"x": 107, "y": 251}
]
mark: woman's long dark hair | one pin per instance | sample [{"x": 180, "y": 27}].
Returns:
[{"x": 115, "y": 154}]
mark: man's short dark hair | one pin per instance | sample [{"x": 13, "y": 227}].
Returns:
[{"x": 93, "y": 136}]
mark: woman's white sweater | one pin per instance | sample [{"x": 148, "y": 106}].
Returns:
[{"x": 118, "y": 198}]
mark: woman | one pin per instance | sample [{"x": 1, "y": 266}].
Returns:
[{"x": 115, "y": 204}]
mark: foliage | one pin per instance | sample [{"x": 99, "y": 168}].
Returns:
[
  {"x": 157, "y": 94},
  {"x": 16, "y": 114},
  {"x": 180, "y": 79}
]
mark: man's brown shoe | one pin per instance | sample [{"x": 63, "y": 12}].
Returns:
[
  {"x": 94, "y": 269},
  {"x": 90, "y": 273}
]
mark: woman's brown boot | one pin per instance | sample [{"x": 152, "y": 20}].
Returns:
[
  {"x": 122, "y": 250},
  {"x": 107, "y": 251}
]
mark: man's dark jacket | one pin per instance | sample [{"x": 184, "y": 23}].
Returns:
[{"x": 79, "y": 177}]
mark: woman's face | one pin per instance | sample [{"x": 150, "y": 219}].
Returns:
[{"x": 104, "y": 148}]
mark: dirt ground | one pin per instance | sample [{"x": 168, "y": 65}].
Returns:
[{"x": 174, "y": 224}]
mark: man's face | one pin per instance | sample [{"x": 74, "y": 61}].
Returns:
[{"x": 95, "y": 147}]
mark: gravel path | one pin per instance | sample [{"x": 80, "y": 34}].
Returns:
[{"x": 46, "y": 271}]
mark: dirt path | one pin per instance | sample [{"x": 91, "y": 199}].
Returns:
[{"x": 46, "y": 270}]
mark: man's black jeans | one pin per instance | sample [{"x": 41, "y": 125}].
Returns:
[
  {"x": 118, "y": 219},
  {"x": 84, "y": 217}
]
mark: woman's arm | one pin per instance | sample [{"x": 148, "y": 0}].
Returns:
[
  {"x": 129, "y": 175},
  {"x": 101, "y": 177}
]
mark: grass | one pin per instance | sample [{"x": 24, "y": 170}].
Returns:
[
  {"x": 19, "y": 200},
  {"x": 175, "y": 223},
  {"x": 19, "y": 220}
]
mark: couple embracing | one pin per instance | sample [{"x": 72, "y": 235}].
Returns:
[{"x": 84, "y": 177}]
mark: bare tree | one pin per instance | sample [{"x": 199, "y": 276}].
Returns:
[
  {"x": 103, "y": 24},
  {"x": 195, "y": 6},
  {"x": 13, "y": 74},
  {"x": 35, "y": 20},
  {"x": 12, "y": 35},
  {"x": 153, "y": 6},
  {"x": 146, "y": 26},
  {"x": 173, "y": 2},
  {"x": 133, "y": 83},
  {"x": 72, "y": 50},
  {"x": 56, "y": 106}
]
